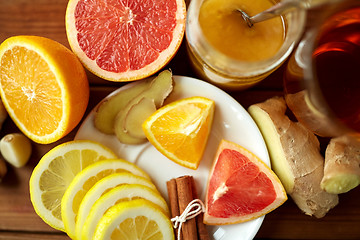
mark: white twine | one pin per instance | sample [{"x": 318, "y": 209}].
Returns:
[{"x": 197, "y": 206}]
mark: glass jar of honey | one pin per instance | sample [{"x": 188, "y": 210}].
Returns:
[{"x": 225, "y": 51}]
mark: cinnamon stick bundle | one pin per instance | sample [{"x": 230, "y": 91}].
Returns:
[
  {"x": 201, "y": 228},
  {"x": 181, "y": 192}
]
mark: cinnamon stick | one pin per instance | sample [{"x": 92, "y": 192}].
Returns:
[
  {"x": 181, "y": 192},
  {"x": 201, "y": 228},
  {"x": 173, "y": 198},
  {"x": 185, "y": 196}
]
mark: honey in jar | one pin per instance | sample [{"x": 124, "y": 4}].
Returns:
[
  {"x": 225, "y": 51},
  {"x": 224, "y": 28}
]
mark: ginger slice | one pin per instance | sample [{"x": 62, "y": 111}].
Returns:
[
  {"x": 295, "y": 157},
  {"x": 342, "y": 165}
]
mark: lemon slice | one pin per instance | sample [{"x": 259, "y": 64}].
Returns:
[
  {"x": 136, "y": 219},
  {"x": 54, "y": 173},
  {"x": 180, "y": 130},
  {"x": 100, "y": 188},
  {"x": 114, "y": 196},
  {"x": 84, "y": 181}
]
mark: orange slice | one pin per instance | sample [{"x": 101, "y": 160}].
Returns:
[
  {"x": 127, "y": 39},
  {"x": 241, "y": 187},
  {"x": 180, "y": 130},
  {"x": 43, "y": 87}
]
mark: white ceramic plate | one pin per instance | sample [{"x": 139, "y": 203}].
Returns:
[{"x": 231, "y": 122}]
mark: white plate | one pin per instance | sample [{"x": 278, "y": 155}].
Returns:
[{"x": 231, "y": 122}]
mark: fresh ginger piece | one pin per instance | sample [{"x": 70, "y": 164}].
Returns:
[
  {"x": 305, "y": 111},
  {"x": 158, "y": 90},
  {"x": 342, "y": 165},
  {"x": 295, "y": 157},
  {"x": 136, "y": 115},
  {"x": 107, "y": 110},
  {"x": 285, "y": 140}
]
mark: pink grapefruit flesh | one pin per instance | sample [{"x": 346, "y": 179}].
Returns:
[
  {"x": 240, "y": 187},
  {"x": 123, "y": 40}
]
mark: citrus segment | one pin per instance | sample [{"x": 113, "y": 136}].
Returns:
[
  {"x": 125, "y": 40},
  {"x": 240, "y": 187},
  {"x": 84, "y": 181},
  {"x": 136, "y": 219},
  {"x": 43, "y": 87},
  {"x": 100, "y": 188},
  {"x": 119, "y": 194},
  {"x": 54, "y": 173},
  {"x": 180, "y": 130}
]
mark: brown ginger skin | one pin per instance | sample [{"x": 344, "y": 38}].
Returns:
[
  {"x": 342, "y": 165},
  {"x": 319, "y": 123},
  {"x": 295, "y": 157}
]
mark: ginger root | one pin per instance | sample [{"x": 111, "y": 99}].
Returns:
[
  {"x": 295, "y": 157},
  {"x": 342, "y": 165},
  {"x": 306, "y": 113}
]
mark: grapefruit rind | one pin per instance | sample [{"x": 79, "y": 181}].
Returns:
[
  {"x": 281, "y": 195},
  {"x": 130, "y": 75}
]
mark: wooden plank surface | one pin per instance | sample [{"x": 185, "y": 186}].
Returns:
[{"x": 17, "y": 217}]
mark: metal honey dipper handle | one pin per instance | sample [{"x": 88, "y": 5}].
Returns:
[{"x": 282, "y": 8}]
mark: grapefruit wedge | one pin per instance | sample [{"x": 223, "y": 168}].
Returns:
[
  {"x": 241, "y": 187},
  {"x": 125, "y": 40}
]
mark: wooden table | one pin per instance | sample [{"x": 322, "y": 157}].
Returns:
[{"x": 17, "y": 217}]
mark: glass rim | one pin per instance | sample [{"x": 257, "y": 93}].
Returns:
[{"x": 309, "y": 44}]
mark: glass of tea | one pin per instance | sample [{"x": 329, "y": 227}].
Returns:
[
  {"x": 322, "y": 80},
  {"x": 225, "y": 51}
]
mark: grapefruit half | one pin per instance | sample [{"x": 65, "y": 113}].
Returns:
[
  {"x": 241, "y": 187},
  {"x": 125, "y": 40}
]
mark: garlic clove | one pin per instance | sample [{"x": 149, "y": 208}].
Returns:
[{"x": 16, "y": 149}]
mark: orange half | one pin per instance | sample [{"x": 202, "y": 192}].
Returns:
[{"x": 43, "y": 87}]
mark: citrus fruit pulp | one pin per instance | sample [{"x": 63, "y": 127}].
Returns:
[
  {"x": 102, "y": 187},
  {"x": 54, "y": 173},
  {"x": 118, "y": 194},
  {"x": 43, "y": 87},
  {"x": 125, "y": 40},
  {"x": 84, "y": 181},
  {"x": 240, "y": 187},
  {"x": 180, "y": 129},
  {"x": 134, "y": 219}
]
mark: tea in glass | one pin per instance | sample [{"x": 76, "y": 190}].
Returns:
[{"x": 322, "y": 81}]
